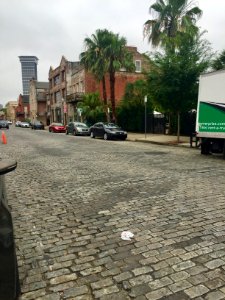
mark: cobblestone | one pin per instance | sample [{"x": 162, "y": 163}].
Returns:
[
  {"x": 196, "y": 291},
  {"x": 71, "y": 197}
]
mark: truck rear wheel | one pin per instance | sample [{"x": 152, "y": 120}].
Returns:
[
  {"x": 224, "y": 150},
  {"x": 205, "y": 147}
]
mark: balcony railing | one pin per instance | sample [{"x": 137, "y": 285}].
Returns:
[
  {"x": 75, "y": 97},
  {"x": 18, "y": 114},
  {"x": 41, "y": 114}
]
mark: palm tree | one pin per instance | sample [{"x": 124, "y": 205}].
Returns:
[
  {"x": 94, "y": 59},
  {"x": 106, "y": 52},
  {"x": 92, "y": 108},
  {"x": 173, "y": 17},
  {"x": 118, "y": 57}
]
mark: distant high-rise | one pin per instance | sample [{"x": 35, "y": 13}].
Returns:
[{"x": 29, "y": 71}]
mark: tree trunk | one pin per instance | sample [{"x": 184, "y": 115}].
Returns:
[
  {"x": 105, "y": 99},
  {"x": 178, "y": 127},
  {"x": 112, "y": 96}
]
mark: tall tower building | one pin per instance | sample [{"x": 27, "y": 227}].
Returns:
[{"x": 29, "y": 71}]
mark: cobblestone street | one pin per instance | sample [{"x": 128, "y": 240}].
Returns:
[{"x": 72, "y": 197}]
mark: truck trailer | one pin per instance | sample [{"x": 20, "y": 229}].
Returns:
[{"x": 210, "y": 122}]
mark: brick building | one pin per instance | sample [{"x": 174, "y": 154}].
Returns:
[
  {"x": 59, "y": 79},
  {"x": 38, "y": 100},
  {"x": 23, "y": 108},
  {"x": 83, "y": 82},
  {"x": 142, "y": 65},
  {"x": 70, "y": 81},
  {"x": 11, "y": 110}
]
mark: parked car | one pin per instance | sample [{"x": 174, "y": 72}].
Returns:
[
  {"x": 25, "y": 125},
  {"x": 18, "y": 123},
  {"x": 9, "y": 122},
  {"x": 107, "y": 131},
  {"x": 4, "y": 124},
  {"x": 56, "y": 127},
  {"x": 37, "y": 125},
  {"x": 77, "y": 128}
]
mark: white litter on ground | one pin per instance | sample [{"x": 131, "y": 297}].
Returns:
[{"x": 127, "y": 235}]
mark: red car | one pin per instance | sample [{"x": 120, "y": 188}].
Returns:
[{"x": 57, "y": 127}]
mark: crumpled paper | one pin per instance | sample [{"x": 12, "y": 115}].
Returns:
[{"x": 127, "y": 235}]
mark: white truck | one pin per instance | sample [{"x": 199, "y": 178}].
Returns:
[{"x": 210, "y": 122}]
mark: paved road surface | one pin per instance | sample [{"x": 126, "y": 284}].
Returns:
[{"x": 72, "y": 197}]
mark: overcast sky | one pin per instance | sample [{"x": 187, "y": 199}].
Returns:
[{"x": 49, "y": 29}]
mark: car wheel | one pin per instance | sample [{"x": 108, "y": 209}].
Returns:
[
  {"x": 92, "y": 135},
  {"x": 105, "y": 136}
]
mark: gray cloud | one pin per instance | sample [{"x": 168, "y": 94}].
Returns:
[{"x": 49, "y": 29}]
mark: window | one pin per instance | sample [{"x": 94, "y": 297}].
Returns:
[
  {"x": 137, "y": 65},
  {"x": 56, "y": 80},
  {"x": 57, "y": 96},
  {"x": 81, "y": 86},
  {"x": 63, "y": 76}
]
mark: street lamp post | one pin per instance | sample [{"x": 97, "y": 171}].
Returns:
[{"x": 145, "y": 101}]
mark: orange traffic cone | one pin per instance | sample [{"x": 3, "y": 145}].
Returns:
[{"x": 4, "y": 139}]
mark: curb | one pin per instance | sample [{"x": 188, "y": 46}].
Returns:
[{"x": 186, "y": 145}]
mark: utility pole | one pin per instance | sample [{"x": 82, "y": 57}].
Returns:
[{"x": 145, "y": 101}]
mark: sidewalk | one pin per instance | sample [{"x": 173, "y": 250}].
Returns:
[{"x": 161, "y": 139}]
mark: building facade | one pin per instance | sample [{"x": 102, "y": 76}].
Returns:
[
  {"x": 123, "y": 77},
  {"x": 82, "y": 82},
  {"x": 29, "y": 71},
  {"x": 69, "y": 82},
  {"x": 23, "y": 108},
  {"x": 11, "y": 110},
  {"x": 38, "y": 98},
  {"x": 59, "y": 79}
]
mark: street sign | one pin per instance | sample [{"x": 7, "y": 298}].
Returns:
[{"x": 79, "y": 111}]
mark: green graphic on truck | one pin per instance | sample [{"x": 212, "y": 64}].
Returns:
[{"x": 211, "y": 117}]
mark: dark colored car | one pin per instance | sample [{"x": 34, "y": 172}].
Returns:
[
  {"x": 4, "y": 124},
  {"x": 37, "y": 125},
  {"x": 9, "y": 276},
  {"x": 77, "y": 128},
  {"x": 108, "y": 131},
  {"x": 56, "y": 127}
]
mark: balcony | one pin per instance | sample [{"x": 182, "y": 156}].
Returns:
[
  {"x": 19, "y": 114},
  {"x": 41, "y": 114},
  {"x": 75, "y": 97}
]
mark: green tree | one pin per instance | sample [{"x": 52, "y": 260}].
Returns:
[
  {"x": 131, "y": 111},
  {"x": 92, "y": 108},
  {"x": 118, "y": 57},
  {"x": 95, "y": 60},
  {"x": 107, "y": 53},
  {"x": 172, "y": 18},
  {"x": 219, "y": 62},
  {"x": 173, "y": 81}
]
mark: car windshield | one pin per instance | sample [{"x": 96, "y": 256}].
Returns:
[
  {"x": 57, "y": 124},
  {"x": 37, "y": 123},
  {"x": 82, "y": 125},
  {"x": 111, "y": 126}
]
